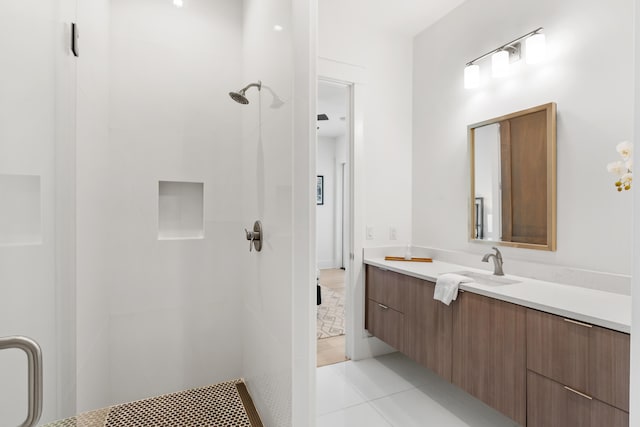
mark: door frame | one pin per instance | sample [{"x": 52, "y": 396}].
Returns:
[
  {"x": 354, "y": 77},
  {"x": 359, "y": 344}
]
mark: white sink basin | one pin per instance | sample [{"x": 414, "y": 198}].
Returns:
[{"x": 487, "y": 278}]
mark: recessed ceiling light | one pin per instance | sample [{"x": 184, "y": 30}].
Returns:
[
  {"x": 277, "y": 27},
  {"x": 178, "y": 3}
]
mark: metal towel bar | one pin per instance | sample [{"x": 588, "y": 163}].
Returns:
[{"x": 34, "y": 360}]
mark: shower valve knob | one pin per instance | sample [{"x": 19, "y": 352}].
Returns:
[{"x": 255, "y": 237}]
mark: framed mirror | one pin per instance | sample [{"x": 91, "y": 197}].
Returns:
[{"x": 513, "y": 179}]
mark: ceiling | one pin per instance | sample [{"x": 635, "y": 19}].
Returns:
[
  {"x": 332, "y": 101},
  {"x": 408, "y": 17}
]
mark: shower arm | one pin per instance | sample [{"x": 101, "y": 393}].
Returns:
[{"x": 250, "y": 85}]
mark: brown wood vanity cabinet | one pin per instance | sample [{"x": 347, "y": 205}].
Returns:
[
  {"x": 478, "y": 343},
  {"x": 384, "y": 316},
  {"x": 539, "y": 369},
  {"x": 576, "y": 368},
  {"x": 550, "y": 404},
  {"x": 401, "y": 311},
  {"x": 489, "y": 353},
  {"x": 386, "y": 324},
  {"x": 428, "y": 328}
]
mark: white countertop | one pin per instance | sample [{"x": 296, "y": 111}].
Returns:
[{"x": 606, "y": 309}]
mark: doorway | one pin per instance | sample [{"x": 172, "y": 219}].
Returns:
[{"x": 332, "y": 218}]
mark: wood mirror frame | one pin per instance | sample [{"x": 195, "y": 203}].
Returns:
[{"x": 527, "y": 189}]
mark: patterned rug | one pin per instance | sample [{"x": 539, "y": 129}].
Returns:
[{"x": 331, "y": 313}]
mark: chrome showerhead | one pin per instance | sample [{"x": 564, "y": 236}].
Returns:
[{"x": 240, "y": 97}]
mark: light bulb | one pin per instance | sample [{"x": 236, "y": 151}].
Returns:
[
  {"x": 536, "y": 48},
  {"x": 178, "y": 3},
  {"x": 500, "y": 63},
  {"x": 471, "y": 76}
]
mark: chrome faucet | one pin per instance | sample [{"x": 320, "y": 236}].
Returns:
[{"x": 497, "y": 262}]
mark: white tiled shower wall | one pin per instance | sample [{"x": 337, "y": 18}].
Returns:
[{"x": 156, "y": 316}]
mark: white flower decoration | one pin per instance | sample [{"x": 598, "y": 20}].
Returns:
[
  {"x": 617, "y": 168},
  {"x": 625, "y": 148},
  {"x": 623, "y": 169}
]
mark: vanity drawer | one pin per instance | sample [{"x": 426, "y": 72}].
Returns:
[
  {"x": 552, "y": 404},
  {"x": 385, "y": 323},
  {"x": 558, "y": 349},
  {"x": 587, "y": 358},
  {"x": 386, "y": 287},
  {"x": 610, "y": 363}
]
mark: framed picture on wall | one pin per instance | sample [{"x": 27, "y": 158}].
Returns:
[{"x": 320, "y": 190}]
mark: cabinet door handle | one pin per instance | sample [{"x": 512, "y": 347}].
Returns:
[
  {"x": 382, "y": 306},
  {"x": 578, "y": 393},
  {"x": 586, "y": 325}
]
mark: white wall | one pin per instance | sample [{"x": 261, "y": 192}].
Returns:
[
  {"x": 159, "y": 315},
  {"x": 380, "y": 63},
  {"x": 326, "y": 213},
  {"x": 303, "y": 313},
  {"x": 588, "y": 73},
  {"x": 278, "y": 282},
  {"x": 172, "y": 301},
  {"x": 387, "y": 62},
  {"x": 156, "y": 315}
]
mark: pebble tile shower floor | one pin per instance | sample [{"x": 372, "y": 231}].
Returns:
[{"x": 221, "y": 405}]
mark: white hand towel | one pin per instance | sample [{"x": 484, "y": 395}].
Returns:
[{"x": 447, "y": 287}]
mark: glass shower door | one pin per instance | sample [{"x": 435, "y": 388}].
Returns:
[{"x": 36, "y": 111}]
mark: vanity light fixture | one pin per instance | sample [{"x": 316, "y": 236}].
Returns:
[
  {"x": 500, "y": 63},
  {"x": 471, "y": 76},
  {"x": 536, "y": 48},
  {"x": 503, "y": 56}
]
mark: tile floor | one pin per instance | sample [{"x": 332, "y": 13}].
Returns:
[{"x": 393, "y": 390}]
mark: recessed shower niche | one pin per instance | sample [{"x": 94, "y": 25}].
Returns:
[
  {"x": 180, "y": 210},
  {"x": 20, "y": 212}
]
